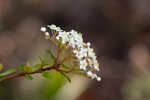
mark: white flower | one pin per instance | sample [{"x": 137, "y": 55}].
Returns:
[
  {"x": 63, "y": 35},
  {"x": 92, "y": 75},
  {"x": 98, "y": 79},
  {"x": 88, "y": 44},
  {"x": 47, "y": 34},
  {"x": 58, "y": 29},
  {"x": 53, "y": 27},
  {"x": 72, "y": 42},
  {"x": 83, "y": 64},
  {"x": 91, "y": 53},
  {"x": 96, "y": 65},
  {"x": 89, "y": 73},
  {"x": 75, "y": 51},
  {"x": 43, "y": 29},
  {"x": 83, "y": 52},
  {"x": 77, "y": 38}
]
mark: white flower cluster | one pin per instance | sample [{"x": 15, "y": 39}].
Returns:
[{"x": 81, "y": 50}]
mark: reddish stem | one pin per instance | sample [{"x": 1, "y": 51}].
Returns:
[{"x": 38, "y": 71}]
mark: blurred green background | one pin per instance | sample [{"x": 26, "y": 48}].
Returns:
[{"x": 118, "y": 29}]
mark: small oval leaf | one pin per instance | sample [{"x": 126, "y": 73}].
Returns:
[
  {"x": 36, "y": 67},
  {"x": 10, "y": 71},
  {"x": 46, "y": 74},
  {"x": 1, "y": 67},
  {"x": 21, "y": 67},
  {"x": 29, "y": 77}
]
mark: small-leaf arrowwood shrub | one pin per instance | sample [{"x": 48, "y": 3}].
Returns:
[{"x": 73, "y": 56}]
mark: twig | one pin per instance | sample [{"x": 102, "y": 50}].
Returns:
[
  {"x": 58, "y": 54},
  {"x": 24, "y": 73},
  {"x": 38, "y": 71}
]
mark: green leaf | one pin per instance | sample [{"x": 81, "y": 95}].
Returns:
[
  {"x": 36, "y": 67},
  {"x": 1, "y": 67},
  {"x": 10, "y": 71},
  {"x": 46, "y": 74},
  {"x": 51, "y": 54},
  {"x": 45, "y": 62},
  {"x": 21, "y": 67},
  {"x": 66, "y": 76},
  {"x": 28, "y": 64},
  {"x": 27, "y": 69},
  {"x": 29, "y": 77}
]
